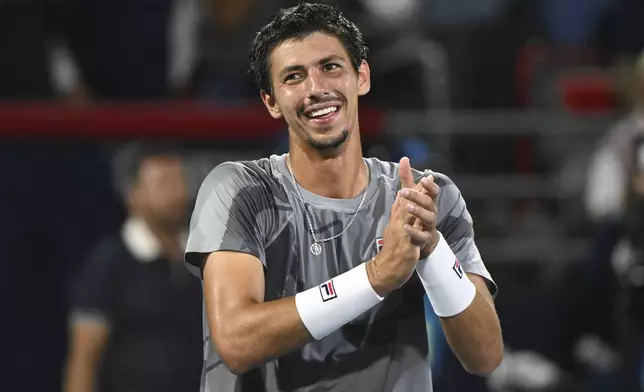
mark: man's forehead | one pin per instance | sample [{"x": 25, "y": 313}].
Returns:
[
  {"x": 308, "y": 50},
  {"x": 157, "y": 162}
]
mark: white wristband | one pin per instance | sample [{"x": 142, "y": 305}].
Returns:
[
  {"x": 449, "y": 289},
  {"x": 327, "y": 307}
]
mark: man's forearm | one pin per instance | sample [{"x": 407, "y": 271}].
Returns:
[
  {"x": 259, "y": 333},
  {"x": 88, "y": 341},
  {"x": 464, "y": 304},
  {"x": 79, "y": 377},
  {"x": 475, "y": 334}
]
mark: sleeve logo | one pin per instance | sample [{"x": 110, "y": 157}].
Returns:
[
  {"x": 457, "y": 268},
  {"x": 327, "y": 291}
]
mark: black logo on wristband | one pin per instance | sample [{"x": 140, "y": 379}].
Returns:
[
  {"x": 457, "y": 268},
  {"x": 327, "y": 291}
]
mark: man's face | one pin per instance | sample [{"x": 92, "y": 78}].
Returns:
[
  {"x": 161, "y": 194},
  {"x": 316, "y": 89}
]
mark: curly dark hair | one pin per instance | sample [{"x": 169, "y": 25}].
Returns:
[{"x": 298, "y": 22}]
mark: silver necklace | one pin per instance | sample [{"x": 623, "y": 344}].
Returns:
[{"x": 316, "y": 248}]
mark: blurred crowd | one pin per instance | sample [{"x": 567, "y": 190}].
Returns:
[
  {"x": 543, "y": 102},
  {"x": 85, "y": 51}
]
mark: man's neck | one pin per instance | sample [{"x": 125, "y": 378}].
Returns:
[{"x": 341, "y": 176}]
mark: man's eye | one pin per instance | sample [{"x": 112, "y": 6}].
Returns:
[
  {"x": 292, "y": 77},
  {"x": 331, "y": 66}
]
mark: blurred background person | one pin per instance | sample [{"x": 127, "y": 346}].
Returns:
[
  {"x": 227, "y": 27},
  {"x": 135, "y": 314},
  {"x": 614, "y": 199},
  {"x": 595, "y": 332},
  {"x": 628, "y": 265},
  {"x": 607, "y": 176},
  {"x": 136, "y": 49},
  {"x": 38, "y": 54}
]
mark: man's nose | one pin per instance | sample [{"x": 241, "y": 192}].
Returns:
[{"x": 317, "y": 86}]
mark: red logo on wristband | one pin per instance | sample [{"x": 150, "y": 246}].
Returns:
[
  {"x": 379, "y": 243},
  {"x": 327, "y": 291},
  {"x": 457, "y": 268}
]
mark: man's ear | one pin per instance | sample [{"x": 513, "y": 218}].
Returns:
[
  {"x": 364, "y": 78},
  {"x": 271, "y": 105}
]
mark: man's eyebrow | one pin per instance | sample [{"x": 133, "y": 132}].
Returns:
[
  {"x": 325, "y": 60},
  {"x": 333, "y": 57}
]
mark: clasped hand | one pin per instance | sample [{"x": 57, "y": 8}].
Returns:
[
  {"x": 419, "y": 201},
  {"x": 411, "y": 233}
]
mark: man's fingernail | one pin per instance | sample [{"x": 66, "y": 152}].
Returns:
[{"x": 405, "y": 192}]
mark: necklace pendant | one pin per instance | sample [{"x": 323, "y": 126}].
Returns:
[{"x": 316, "y": 248}]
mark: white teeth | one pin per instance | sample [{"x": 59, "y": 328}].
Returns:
[{"x": 323, "y": 112}]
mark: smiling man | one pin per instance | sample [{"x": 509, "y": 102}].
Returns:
[{"x": 316, "y": 263}]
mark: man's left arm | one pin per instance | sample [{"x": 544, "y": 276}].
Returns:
[
  {"x": 475, "y": 334},
  {"x": 457, "y": 282}
]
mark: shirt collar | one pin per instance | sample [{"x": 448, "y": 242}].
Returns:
[{"x": 141, "y": 242}]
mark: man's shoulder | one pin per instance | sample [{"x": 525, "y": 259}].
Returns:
[
  {"x": 243, "y": 168},
  {"x": 239, "y": 174},
  {"x": 251, "y": 183}
]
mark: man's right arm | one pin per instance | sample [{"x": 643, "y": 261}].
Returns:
[
  {"x": 226, "y": 249},
  {"x": 88, "y": 340},
  {"x": 246, "y": 330},
  {"x": 93, "y": 308}
]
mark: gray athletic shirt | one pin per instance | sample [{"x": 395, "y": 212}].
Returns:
[{"x": 253, "y": 207}]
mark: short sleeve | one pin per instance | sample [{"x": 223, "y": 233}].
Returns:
[
  {"x": 95, "y": 288},
  {"x": 230, "y": 214},
  {"x": 456, "y": 225}
]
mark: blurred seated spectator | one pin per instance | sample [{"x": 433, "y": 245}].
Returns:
[
  {"x": 462, "y": 12},
  {"x": 399, "y": 12},
  {"x": 607, "y": 175},
  {"x": 224, "y": 36},
  {"x": 629, "y": 29},
  {"x": 136, "y": 49},
  {"x": 593, "y": 333},
  {"x": 627, "y": 264},
  {"x": 572, "y": 23},
  {"x": 37, "y": 57},
  {"x": 620, "y": 36},
  {"x": 135, "y": 317}
]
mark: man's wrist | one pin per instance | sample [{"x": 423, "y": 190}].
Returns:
[
  {"x": 379, "y": 284},
  {"x": 325, "y": 308},
  {"x": 448, "y": 288},
  {"x": 427, "y": 250}
]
